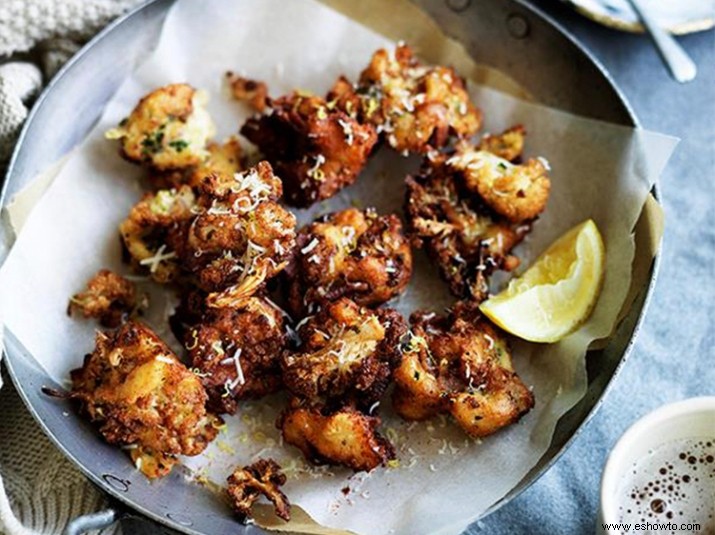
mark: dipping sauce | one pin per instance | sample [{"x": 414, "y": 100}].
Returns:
[{"x": 674, "y": 484}]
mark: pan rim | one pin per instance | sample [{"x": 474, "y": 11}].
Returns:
[{"x": 529, "y": 477}]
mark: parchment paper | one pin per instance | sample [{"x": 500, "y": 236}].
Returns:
[{"x": 443, "y": 481}]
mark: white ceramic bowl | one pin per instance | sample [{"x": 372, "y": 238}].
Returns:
[{"x": 692, "y": 418}]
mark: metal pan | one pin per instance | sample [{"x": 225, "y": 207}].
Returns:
[{"x": 509, "y": 35}]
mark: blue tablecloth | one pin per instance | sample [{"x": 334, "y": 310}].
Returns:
[{"x": 674, "y": 356}]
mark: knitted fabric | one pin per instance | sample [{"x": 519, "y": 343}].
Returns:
[
  {"x": 40, "y": 491},
  {"x": 48, "y": 28}
]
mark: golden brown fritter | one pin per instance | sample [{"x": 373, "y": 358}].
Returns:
[
  {"x": 242, "y": 237},
  {"x": 460, "y": 365},
  {"x": 315, "y": 148},
  {"x": 462, "y": 235},
  {"x": 235, "y": 351},
  {"x": 344, "y": 437},
  {"x": 109, "y": 297},
  {"x": 224, "y": 159},
  {"x": 508, "y": 145},
  {"x": 247, "y": 484},
  {"x": 144, "y": 399},
  {"x": 516, "y": 192},
  {"x": 228, "y": 238},
  {"x": 146, "y": 230},
  {"x": 168, "y": 129},
  {"x": 353, "y": 253},
  {"x": 347, "y": 355},
  {"x": 246, "y": 90},
  {"x": 415, "y": 107}
]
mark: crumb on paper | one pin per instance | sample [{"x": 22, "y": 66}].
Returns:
[
  {"x": 262, "y": 478},
  {"x": 243, "y": 89}
]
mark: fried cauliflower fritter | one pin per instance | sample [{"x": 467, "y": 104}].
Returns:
[
  {"x": 466, "y": 239},
  {"x": 516, "y": 192},
  {"x": 146, "y": 230},
  {"x": 247, "y": 484},
  {"x": 246, "y": 90},
  {"x": 109, "y": 297},
  {"x": 144, "y": 399},
  {"x": 235, "y": 351},
  {"x": 344, "y": 437},
  {"x": 508, "y": 145},
  {"x": 242, "y": 237},
  {"x": 223, "y": 159},
  {"x": 353, "y": 253},
  {"x": 347, "y": 355},
  {"x": 167, "y": 130},
  {"x": 460, "y": 365},
  {"x": 316, "y": 148},
  {"x": 415, "y": 107},
  {"x": 228, "y": 238}
]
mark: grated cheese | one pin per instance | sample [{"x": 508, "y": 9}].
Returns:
[
  {"x": 347, "y": 130},
  {"x": 490, "y": 340},
  {"x": 154, "y": 261},
  {"x": 303, "y": 322},
  {"x": 312, "y": 245},
  {"x": 544, "y": 162},
  {"x": 240, "y": 379},
  {"x": 315, "y": 172}
]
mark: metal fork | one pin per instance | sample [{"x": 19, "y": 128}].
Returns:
[{"x": 681, "y": 67}]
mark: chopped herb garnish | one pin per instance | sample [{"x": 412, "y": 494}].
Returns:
[
  {"x": 178, "y": 144},
  {"x": 152, "y": 143}
]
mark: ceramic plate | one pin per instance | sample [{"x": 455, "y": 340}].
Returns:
[{"x": 677, "y": 16}]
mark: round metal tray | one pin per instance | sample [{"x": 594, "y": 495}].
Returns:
[{"x": 509, "y": 35}]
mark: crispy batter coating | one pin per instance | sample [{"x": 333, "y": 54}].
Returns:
[
  {"x": 224, "y": 159},
  {"x": 228, "y": 238},
  {"x": 235, "y": 351},
  {"x": 516, "y": 192},
  {"x": 146, "y": 231},
  {"x": 144, "y": 399},
  {"x": 316, "y": 148},
  {"x": 416, "y": 107},
  {"x": 353, "y": 253},
  {"x": 246, "y": 90},
  {"x": 109, "y": 297},
  {"x": 344, "y": 437},
  {"x": 168, "y": 129},
  {"x": 247, "y": 484},
  {"x": 462, "y": 235},
  {"x": 508, "y": 145},
  {"x": 460, "y": 365},
  {"x": 347, "y": 355}
]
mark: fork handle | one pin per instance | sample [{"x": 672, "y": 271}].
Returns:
[{"x": 679, "y": 63}]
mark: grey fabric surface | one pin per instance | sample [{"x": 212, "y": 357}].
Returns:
[{"x": 674, "y": 357}]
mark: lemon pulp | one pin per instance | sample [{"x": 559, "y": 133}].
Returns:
[{"x": 557, "y": 293}]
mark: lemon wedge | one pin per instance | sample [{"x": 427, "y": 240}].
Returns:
[{"x": 557, "y": 293}]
